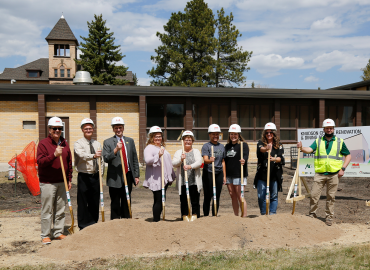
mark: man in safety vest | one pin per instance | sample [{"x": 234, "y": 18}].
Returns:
[{"x": 329, "y": 167}]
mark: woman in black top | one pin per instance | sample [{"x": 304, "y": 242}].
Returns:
[
  {"x": 269, "y": 141},
  {"x": 233, "y": 160}
]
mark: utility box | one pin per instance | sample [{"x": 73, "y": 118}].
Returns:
[{"x": 11, "y": 173}]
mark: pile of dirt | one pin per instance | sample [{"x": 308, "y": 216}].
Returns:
[{"x": 226, "y": 232}]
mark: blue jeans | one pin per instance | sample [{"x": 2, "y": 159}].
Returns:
[{"x": 261, "y": 191}]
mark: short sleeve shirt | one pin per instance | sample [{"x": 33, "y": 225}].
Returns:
[{"x": 219, "y": 154}]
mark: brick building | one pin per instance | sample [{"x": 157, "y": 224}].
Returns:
[
  {"x": 59, "y": 67},
  {"x": 25, "y": 109}
]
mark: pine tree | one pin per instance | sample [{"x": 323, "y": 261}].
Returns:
[
  {"x": 134, "y": 78},
  {"x": 366, "y": 70},
  {"x": 185, "y": 57},
  {"x": 100, "y": 55},
  {"x": 231, "y": 60}
]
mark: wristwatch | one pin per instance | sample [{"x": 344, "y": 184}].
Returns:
[{"x": 343, "y": 169}]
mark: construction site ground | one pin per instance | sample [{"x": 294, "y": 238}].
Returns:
[{"x": 20, "y": 226}]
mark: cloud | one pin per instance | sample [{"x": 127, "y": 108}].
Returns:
[
  {"x": 327, "y": 23},
  {"x": 271, "y": 64},
  {"x": 311, "y": 79},
  {"x": 347, "y": 61},
  {"x": 144, "y": 81}
]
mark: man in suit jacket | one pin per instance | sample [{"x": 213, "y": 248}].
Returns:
[{"x": 115, "y": 181}]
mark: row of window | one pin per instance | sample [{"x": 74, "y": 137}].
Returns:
[
  {"x": 61, "y": 50},
  {"x": 251, "y": 118},
  {"x": 63, "y": 73}
]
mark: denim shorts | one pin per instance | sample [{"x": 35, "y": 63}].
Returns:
[{"x": 235, "y": 181}]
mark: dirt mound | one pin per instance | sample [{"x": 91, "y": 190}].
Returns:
[{"x": 226, "y": 232}]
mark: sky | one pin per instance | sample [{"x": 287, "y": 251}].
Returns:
[{"x": 298, "y": 44}]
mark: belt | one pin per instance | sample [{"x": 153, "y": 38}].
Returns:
[{"x": 90, "y": 174}]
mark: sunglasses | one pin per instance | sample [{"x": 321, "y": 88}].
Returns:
[
  {"x": 269, "y": 132},
  {"x": 59, "y": 128}
]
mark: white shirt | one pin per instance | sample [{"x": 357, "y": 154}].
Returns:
[{"x": 124, "y": 144}]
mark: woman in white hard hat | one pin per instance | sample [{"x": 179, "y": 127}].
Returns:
[
  {"x": 233, "y": 160},
  {"x": 193, "y": 160},
  {"x": 269, "y": 141},
  {"x": 153, "y": 175},
  {"x": 220, "y": 170}
]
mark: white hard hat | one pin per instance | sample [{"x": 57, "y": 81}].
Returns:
[
  {"x": 87, "y": 121},
  {"x": 271, "y": 126},
  {"x": 214, "y": 128},
  {"x": 155, "y": 129},
  {"x": 235, "y": 128},
  {"x": 117, "y": 121},
  {"x": 55, "y": 122},
  {"x": 187, "y": 133},
  {"x": 328, "y": 123}
]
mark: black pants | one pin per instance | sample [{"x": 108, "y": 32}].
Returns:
[
  {"x": 194, "y": 199},
  {"x": 208, "y": 191},
  {"x": 157, "y": 205},
  {"x": 119, "y": 206},
  {"x": 88, "y": 197}
]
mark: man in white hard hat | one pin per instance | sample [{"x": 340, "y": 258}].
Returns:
[
  {"x": 53, "y": 193},
  {"x": 115, "y": 180},
  {"x": 87, "y": 152},
  {"x": 329, "y": 167}
]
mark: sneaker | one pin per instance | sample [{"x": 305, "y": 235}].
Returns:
[
  {"x": 60, "y": 237},
  {"x": 312, "y": 215},
  {"x": 329, "y": 222},
  {"x": 46, "y": 241}
]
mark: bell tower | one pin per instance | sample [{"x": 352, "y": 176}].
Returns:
[{"x": 62, "y": 52}]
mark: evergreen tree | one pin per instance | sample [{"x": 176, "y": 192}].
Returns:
[
  {"x": 100, "y": 55},
  {"x": 366, "y": 70},
  {"x": 185, "y": 57},
  {"x": 231, "y": 60},
  {"x": 134, "y": 78}
]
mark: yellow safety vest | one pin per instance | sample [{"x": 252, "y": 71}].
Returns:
[{"x": 328, "y": 163}]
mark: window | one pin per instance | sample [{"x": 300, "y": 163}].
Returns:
[
  {"x": 62, "y": 71},
  {"x": 170, "y": 117},
  {"x": 252, "y": 119},
  {"x": 29, "y": 124},
  {"x": 33, "y": 74},
  {"x": 55, "y": 73},
  {"x": 68, "y": 73},
  {"x": 61, "y": 50},
  {"x": 343, "y": 115},
  {"x": 207, "y": 114}
]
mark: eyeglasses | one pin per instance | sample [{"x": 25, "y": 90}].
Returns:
[
  {"x": 58, "y": 128},
  {"x": 269, "y": 132},
  {"x": 158, "y": 137}
]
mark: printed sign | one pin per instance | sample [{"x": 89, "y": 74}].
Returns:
[{"x": 357, "y": 140}]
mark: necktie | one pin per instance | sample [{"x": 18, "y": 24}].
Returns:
[
  {"x": 92, "y": 151},
  {"x": 124, "y": 156}
]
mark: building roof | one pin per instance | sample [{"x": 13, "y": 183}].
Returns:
[
  {"x": 61, "y": 31},
  {"x": 129, "y": 76},
  {"x": 351, "y": 86},
  {"x": 20, "y": 73},
  {"x": 167, "y": 91}
]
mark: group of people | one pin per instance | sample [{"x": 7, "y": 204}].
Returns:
[{"x": 223, "y": 163}]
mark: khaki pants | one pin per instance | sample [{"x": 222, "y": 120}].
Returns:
[
  {"x": 319, "y": 182},
  {"x": 53, "y": 203}
]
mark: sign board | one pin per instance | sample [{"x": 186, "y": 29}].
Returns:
[{"x": 357, "y": 140}]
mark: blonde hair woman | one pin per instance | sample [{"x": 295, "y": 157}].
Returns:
[{"x": 153, "y": 175}]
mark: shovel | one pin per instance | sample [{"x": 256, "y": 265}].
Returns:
[
  {"x": 71, "y": 229},
  {"x": 214, "y": 186},
  {"x": 296, "y": 181},
  {"x": 242, "y": 180},
  {"x": 101, "y": 191},
  {"x": 125, "y": 180},
  {"x": 188, "y": 217},
  {"x": 163, "y": 190},
  {"x": 268, "y": 184}
]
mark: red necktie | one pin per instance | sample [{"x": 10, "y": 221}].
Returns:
[{"x": 124, "y": 156}]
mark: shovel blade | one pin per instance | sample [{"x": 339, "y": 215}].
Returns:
[
  {"x": 186, "y": 218},
  {"x": 193, "y": 217},
  {"x": 70, "y": 230}
]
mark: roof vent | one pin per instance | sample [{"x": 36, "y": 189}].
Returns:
[{"x": 82, "y": 78}]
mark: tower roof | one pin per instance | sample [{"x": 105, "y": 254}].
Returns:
[{"x": 61, "y": 31}]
